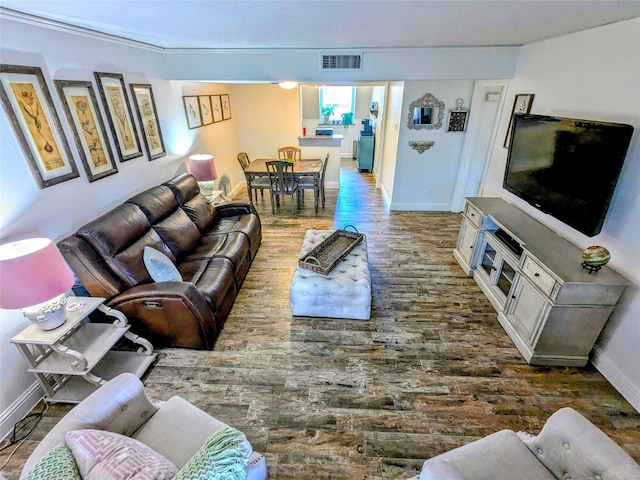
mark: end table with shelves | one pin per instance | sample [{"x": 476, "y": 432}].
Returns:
[{"x": 75, "y": 359}]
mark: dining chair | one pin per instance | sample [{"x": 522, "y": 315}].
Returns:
[
  {"x": 307, "y": 183},
  {"x": 257, "y": 183},
  {"x": 290, "y": 152},
  {"x": 282, "y": 182}
]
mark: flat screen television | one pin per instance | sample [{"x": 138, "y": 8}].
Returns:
[{"x": 566, "y": 167}]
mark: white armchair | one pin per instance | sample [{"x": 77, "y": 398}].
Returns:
[
  {"x": 175, "y": 428},
  {"x": 568, "y": 447}
]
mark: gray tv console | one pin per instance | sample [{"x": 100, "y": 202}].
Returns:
[{"x": 551, "y": 308}]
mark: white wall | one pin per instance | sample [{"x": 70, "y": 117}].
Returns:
[
  {"x": 428, "y": 179},
  {"x": 593, "y": 75},
  {"x": 393, "y": 118},
  {"x": 304, "y": 65}
]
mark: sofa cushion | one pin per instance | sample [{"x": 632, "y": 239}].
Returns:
[
  {"x": 178, "y": 232},
  {"x": 200, "y": 212},
  {"x": 119, "y": 237},
  {"x": 160, "y": 267},
  {"x": 58, "y": 463},
  {"x": 157, "y": 203},
  {"x": 248, "y": 225},
  {"x": 233, "y": 246},
  {"x": 184, "y": 187},
  {"x": 103, "y": 455},
  {"x": 178, "y": 429},
  {"x": 500, "y": 455}
]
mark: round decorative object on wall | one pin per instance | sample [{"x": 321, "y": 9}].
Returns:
[{"x": 595, "y": 257}]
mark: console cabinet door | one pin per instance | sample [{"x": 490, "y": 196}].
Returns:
[
  {"x": 467, "y": 239},
  {"x": 495, "y": 272},
  {"x": 527, "y": 310}
]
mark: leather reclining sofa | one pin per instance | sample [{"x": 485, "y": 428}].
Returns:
[{"x": 212, "y": 248}]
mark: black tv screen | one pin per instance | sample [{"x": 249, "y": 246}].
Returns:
[{"x": 566, "y": 167}]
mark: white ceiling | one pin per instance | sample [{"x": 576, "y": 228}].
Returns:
[{"x": 322, "y": 24}]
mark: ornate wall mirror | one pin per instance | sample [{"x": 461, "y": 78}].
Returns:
[{"x": 426, "y": 112}]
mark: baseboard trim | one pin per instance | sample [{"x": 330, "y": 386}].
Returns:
[
  {"x": 616, "y": 378},
  {"x": 19, "y": 409},
  {"x": 421, "y": 207}
]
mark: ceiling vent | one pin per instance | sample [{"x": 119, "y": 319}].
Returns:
[{"x": 341, "y": 62}]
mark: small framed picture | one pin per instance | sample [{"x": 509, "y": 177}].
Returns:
[
  {"x": 118, "y": 109},
  {"x": 216, "y": 105},
  {"x": 192, "y": 111},
  {"x": 204, "y": 101},
  {"x": 521, "y": 104},
  {"x": 148, "y": 118},
  {"x": 226, "y": 106},
  {"x": 457, "y": 121},
  {"x": 83, "y": 114},
  {"x": 29, "y": 107}
]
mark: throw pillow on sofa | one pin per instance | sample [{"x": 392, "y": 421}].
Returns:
[
  {"x": 159, "y": 266},
  {"x": 103, "y": 455},
  {"x": 58, "y": 463}
]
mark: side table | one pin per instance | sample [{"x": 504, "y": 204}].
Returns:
[
  {"x": 215, "y": 197},
  {"x": 73, "y": 360}
]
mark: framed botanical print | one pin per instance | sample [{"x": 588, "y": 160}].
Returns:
[
  {"x": 216, "y": 105},
  {"x": 226, "y": 106},
  {"x": 148, "y": 119},
  {"x": 192, "y": 111},
  {"x": 204, "y": 101},
  {"x": 28, "y": 104},
  {"x": 83, "y": 114},
  {"x": 119, "y": 115},
  {"x": 521, "y": 104}
]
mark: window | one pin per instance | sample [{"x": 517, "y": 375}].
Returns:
[{"x": 338, "y": 101}]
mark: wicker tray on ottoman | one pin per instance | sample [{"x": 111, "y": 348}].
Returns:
[
  {"x": 324, "y": 258},
  {"x": 345, "y": 292}
]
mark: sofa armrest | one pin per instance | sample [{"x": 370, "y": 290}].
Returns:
[
  {"x": 120, "y": 406},
  {"x": 169, "y": 313},
  {"x": 570, "y": 445},
  {"x": 497, "y": 456},
  {"x": 231, "y": 209}
]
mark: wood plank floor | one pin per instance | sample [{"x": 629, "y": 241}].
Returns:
[{"x": 342, "y": 399}]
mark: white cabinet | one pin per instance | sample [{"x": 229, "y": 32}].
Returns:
[{"x": 551, "y": 308}]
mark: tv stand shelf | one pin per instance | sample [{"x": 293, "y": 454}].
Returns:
[{"x": 551, "y": 308}]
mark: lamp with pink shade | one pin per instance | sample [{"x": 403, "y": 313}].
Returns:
[
  {"x": 203, "y": 167},
  {"x": 35, "y": 278}
]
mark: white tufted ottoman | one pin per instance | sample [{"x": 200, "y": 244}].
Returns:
[{"x": 344, "y": 293}]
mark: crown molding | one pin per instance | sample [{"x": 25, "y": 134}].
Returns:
[{"x": 6, "y": 13}]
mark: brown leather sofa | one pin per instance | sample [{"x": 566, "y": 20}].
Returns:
[{"x": 212, "y": 247}]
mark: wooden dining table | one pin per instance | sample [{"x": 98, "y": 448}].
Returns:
[{"x": 306, "y": 167}]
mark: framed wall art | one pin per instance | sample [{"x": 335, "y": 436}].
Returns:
[
  {"x": 192, "y": 111},
  {"x": 116, "y": 105},
  {"x": 148, "y": 118},
  {"x": 226, "y": 106},
  {"x": 204, "y": 102},
  {"x": 83, "y": 114},
  {"x": 521, "y": 104},
  {"x": 216, "y": 105},
  {"x": 27, "y": 102},
  {"x": 457, "y": 121}
]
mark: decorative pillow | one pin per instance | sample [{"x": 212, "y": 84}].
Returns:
[
  {"x": 102, "y": 455},
  {"x": 223, "y": 456},
  {"x": 58, "y": 463},
  {"x": 159, "y": 266}
]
